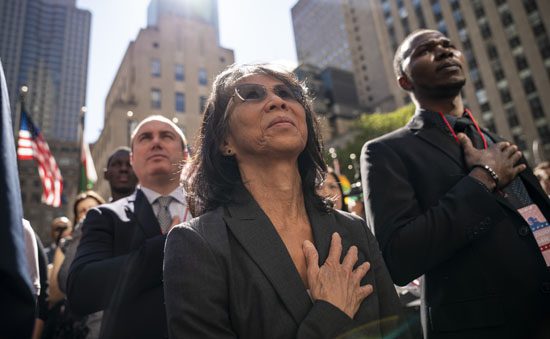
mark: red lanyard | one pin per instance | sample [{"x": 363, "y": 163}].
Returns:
[{"x": 475, "y": 124}]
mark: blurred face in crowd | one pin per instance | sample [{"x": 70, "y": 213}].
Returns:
[
  {"x": 157, "y": 153},
  {"x": 120, "y": 174},
  {"x": 272, "y": 125},
  {"x": 83, "y": 206},
  {"x": 331, "y": 190},
  {"x": 543, "y": 174},
  {"x": 60, "y": 228}
]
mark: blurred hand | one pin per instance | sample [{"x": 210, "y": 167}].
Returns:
[
  {"x": 334, "y": 282},
  {"x": 502, "y": 158}
]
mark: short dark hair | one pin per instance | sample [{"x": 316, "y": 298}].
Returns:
[
  {"x": 118, "y": 149},
  {"x": 213, "y": 176},
  {"x": 400, "y": 52}
]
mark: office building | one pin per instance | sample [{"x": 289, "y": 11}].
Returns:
[
  {"x": 168, "y": 70},
  {"x": 507, "y": 51}
]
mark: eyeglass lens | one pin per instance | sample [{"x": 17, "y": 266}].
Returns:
[{"x": 257, "y": 92}]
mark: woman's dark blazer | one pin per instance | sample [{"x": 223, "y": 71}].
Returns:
[{"x": 228, "y": 274}]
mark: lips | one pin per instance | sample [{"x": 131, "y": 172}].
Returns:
[
  {"x": 157, "y": 156},
  {"x": 281, "y": 120},
  {"x": 448, "y": 65}
]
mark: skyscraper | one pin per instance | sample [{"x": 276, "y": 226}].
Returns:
[
  {"x": 505, "y": 42},
  {"x": 44, "y": 46},
  {"x": 167, "y": 70}
]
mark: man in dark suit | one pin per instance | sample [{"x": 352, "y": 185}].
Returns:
[
  {"x": 460, "y": 215},
  {"x": 118, "y": 264}
]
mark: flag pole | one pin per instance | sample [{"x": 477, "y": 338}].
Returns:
[
  {"x": 17, "y": 116},
  {"x": 82, "y": 118}
]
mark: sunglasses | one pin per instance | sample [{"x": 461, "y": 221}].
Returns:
[{"x": 257, "y": 92}]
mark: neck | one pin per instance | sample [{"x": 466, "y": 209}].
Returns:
[
  {"x": 451, "y": 106},
  {"x": 276, "y": 187},
  {"x": 116, "y": 195},
  {"x": 162, "y": 187}
]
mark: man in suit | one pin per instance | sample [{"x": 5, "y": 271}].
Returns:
[
  {"x": 118, "y": 264},
  {"x": 467, "y": 218}
]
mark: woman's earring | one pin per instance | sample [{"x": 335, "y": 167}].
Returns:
[{"x": 228, "y": 151}]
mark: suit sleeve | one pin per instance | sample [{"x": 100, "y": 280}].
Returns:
[
  {"x": 195, "y": 288},
  {"x": 413, "y": 240},
  {"x": 98, "y": 279}
]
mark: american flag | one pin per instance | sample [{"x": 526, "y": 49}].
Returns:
[{"x": 31, "y": 145}]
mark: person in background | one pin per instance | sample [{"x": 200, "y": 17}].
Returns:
[
  {"x": 62, "y": 322},
  {"x": 542, "y": 172},
  {"x": 60, "y": 228},
  {"x": 118, "y": 263},
  {"x": 120, "y": 174},
  {"x": 267, "y": 257},
  {"x": 332, "y": 190}
]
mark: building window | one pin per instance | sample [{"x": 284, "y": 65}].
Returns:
[
  {"x": 155, "y": 98},
  {"x": 520, "y": 142},
  {"x": 485, "y": 107},
  {"x": 203, "y": 79},
  {"x": 514, "y": 42},
  {"x": 528, "y": 85},
  {"x": 180, "y": 102},
  {"x": 544, "y": 133},
  {"x": 202, "y": 103},
  {"x": 492, "y": 51},
  {"x": 530, "y": 6},
  {"x": 544, "y": 47},
  {"x": 485, "y": 30},
  {"x": 155, "y": 67},
  {"x": 539, "y": 29},
  {"x": 179, "y": 72},
  {"x": 478, "y": 10},
  {"x": 512, "y": 117},
  {"x": 505, "y": 95},
  {"x": 536, "y": 108},
  {"x": 506, "y": 18},
  {"x": 521, "y": 62}
]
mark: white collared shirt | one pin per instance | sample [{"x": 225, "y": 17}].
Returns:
[{"x": 178, "y": 205}]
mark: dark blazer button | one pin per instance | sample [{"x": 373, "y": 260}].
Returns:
[
  {"x": 523, "y": 231},
  {"x": 545, "y": 287}
]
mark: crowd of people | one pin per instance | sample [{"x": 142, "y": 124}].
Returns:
[{"x": 251, "y": 235}]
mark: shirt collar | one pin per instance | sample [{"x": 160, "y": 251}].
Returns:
[
  {"x": 436, "y": 118},
  {"x": 178, "y": 194}
]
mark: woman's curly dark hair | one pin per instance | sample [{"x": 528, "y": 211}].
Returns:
[{"x": 212, "y": 176}]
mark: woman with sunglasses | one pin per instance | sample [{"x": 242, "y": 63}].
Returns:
[{"x": 267, "y": 257}]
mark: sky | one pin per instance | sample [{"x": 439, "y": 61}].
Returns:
[{"x": 256, "y": 30}]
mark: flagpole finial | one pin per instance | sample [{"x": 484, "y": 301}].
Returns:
[{"x": 23, "y": 90}]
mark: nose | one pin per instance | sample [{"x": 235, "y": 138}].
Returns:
[
  {"x": 443, "y": 52},
  {"x": 276, "y": 102},
  {"x": 124, "y": 167}
]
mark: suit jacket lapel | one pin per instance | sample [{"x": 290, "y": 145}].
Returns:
[
  {"x": 139, "y": 207},
  {"x": 323, "y": 226},
  {"x": 424, "y": 127},
  {"x": 257, "y": 235}
]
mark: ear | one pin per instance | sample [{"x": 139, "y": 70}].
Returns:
[
  {"x": 405, "y": 83},
  {"x": 105, "y": 174},
  {"x": 132, "y": 159}
]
